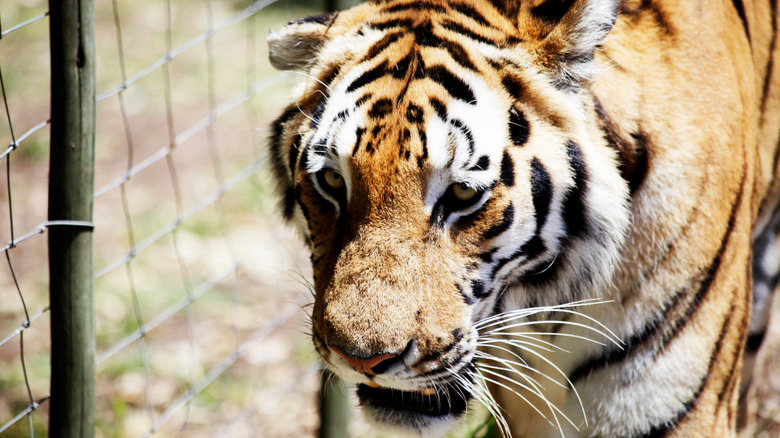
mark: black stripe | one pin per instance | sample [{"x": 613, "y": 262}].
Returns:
[
  {"x": 541, "y": 192},
  {"x": 466, "y": 131},
  {"x": 513, "y": 86},
  {"x": 574, "y": 203},
  {"x": 482, "y": 164},
  {"x": 453, "y": 84},
  {"x": 363, "y": 99},
  {"x": 381, "y": 108},
  {"x": 552, "y": 11},
  {"x": 507, "y": 218},
  {"x": 634, "y": 157},
  {"x": 458, "y": 28},
  {"x": 641, "y": 163},
  {"x": 648, "y": 8},
  {"x": 401, "y": 68},
  {"x": 468, "y": 299},
  {"x": 507, "y": 170},
  {"x": 503, "y": 262},
  {"x": 417, "y": 6},
  {"x": 487, "y": 256},
  {"x": 770, "y": 66},
  {"x": 730, "y": 381},
  {"x": 359, "y": 134},
  {"x": 379, "y": 46},
  {"x": 320, "y": 147},
  {"x": 471, "y": 12},
  {"x": 277, "y": 130},
  {"x": 292, "y": 154},
  {"x": 329, "y": 75},
  {"x": 754, "y": 342},
  {"x": 368, "y": 76},
  {"x": 389, "y": 24},
  {"x": 740, "y": 7},
  {"x": 281, "y": 167},
  {"x": 316, "y": 115},
  {"x": 439, "y": 108},
  {"x": 288, "y": 203},
  {"x": 424, "y": 144},
  {"x": 319, "y": 19},
  {"x": 519, "y": 129},
  {"x": 424, "y": 34},
  {"x": 414, "y": 114},
  {"x": 534, "y": 247},
  {"x": 478, "y": 289},
  {"x": 458, "y": 53}
]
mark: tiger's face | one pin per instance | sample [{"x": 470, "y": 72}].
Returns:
[{"x": 441, "y": 172}]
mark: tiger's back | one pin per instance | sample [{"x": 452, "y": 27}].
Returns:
[{"x": 466, "y": 165}]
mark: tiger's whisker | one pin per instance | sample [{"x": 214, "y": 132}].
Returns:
[
  {"x": 509, "y": 366},
  {"x": 538, "y": 411},
  {"x": 553, "y": 409}
]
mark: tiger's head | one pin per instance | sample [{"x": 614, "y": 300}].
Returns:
[{"x": 442, "y": 168}]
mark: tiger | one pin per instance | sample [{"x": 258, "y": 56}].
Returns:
[{"x": 565, "y": 210}]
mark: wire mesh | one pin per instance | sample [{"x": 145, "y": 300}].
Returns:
[
  {"x": 24, "y": 317},
  {"x": 200, "y": 291},
  {"x": 182, "y": 106}
]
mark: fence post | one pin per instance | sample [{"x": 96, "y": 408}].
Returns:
[
  {"x": 71, "y": 187},
  {"x": 334, "y": 407}
]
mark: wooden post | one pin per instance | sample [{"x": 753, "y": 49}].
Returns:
[
  {"x": 71, "y": 188},
  {"x": 334, "y": 407}
]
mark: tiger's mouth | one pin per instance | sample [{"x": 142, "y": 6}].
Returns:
[{"x": 412, "y": 407}]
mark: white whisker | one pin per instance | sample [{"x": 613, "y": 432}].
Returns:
[
  {"x": 555, "y": 257},
  {"x": 489, "y": 342},
  {"x": 553, "y": 409},
  {"x": 510, "y": 367},
  {"x": 316, "y": 79},
  {"x": 481, "y": 393},
  {"x": 564, "y": 335},
  {"x": 529, "y": 339},
  {"x": 555, "y": 367},
  {"x": 306, "y": 115},
  {"x": 495, "y": 382},
  {"x": 513, "y": 314}
]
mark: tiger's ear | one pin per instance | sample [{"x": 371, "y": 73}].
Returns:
[
  {"x": 296, "y": 45},
  {"x": 564, "y": 34}
]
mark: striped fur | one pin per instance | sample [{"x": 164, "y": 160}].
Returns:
[{"x": 558, "y": 208}]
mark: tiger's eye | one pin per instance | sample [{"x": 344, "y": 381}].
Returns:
[
  {"x": 333, "y": 179},
  {"x": 463, "y": 192}
]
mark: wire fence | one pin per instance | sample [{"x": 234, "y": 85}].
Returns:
[
  {"x": 24, "y": 312},
  {"x": 200, "y": 291}
]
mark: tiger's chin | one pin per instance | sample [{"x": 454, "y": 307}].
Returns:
[{"x": 429, "y": 412}]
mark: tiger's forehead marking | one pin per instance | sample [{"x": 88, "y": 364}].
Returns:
[{"x": 427, "y": 121}]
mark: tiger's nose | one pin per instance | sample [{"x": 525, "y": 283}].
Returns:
[{"x": 371, "y": 366}]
